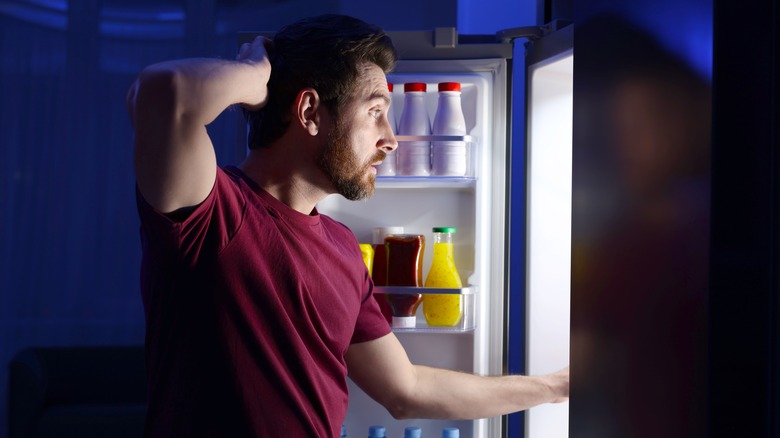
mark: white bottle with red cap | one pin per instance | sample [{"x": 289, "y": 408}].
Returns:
[
  {"x": 449, "y": 158},
  {"x": 388, "y": 166},
  {"x": 390, "y": 110},
  {"x": 414, "y": 157}
]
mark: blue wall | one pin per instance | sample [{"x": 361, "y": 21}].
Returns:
[{"x": 68, "y": 224}]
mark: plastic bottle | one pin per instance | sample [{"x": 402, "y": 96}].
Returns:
[
  {"x": 414, "y": 157},
  {"x": 450, "y": 432},
  {"x": 380, "y": 266},
  {"x": 390, "y": 110},
  {"x": 377, "y": 432},
  {"x": 343, "y": 431},
  {"x": 449, "y": 157},
  {"x": 388, "y": 166},
  {"x": 443, "y": 310},
  {"x": 404, "y": 268},
  {"x": 412, "y": 432},
  {"x": 367, "y": 250}
]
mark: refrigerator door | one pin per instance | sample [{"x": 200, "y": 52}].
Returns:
[
  {"x": 475, "y": 204},
  {"x": 548, "y": 171},
  {"x": 641, "y": 225}
]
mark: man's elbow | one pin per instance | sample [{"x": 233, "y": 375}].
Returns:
[
  {"x": 399, "y": 412},
  {"x": 157, "y": 90},
  {"x": 402, "y": 408}
]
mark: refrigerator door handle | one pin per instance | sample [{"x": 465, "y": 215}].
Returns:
[
  {"x": 532, "y": 33},
  {"x": 445, "y": 37}
]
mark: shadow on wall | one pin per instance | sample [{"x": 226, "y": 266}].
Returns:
[{"x": 640, "y": 237}]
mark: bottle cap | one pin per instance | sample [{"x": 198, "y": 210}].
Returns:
[
  {"x": 381, "y": 232},
  {"x": 449, "y": 86},
  {"x": 450, "y": 432},
  {"x": 376, "y": 432},
  {"x": 444, "y": 229},
  {"x": 415, "y": 86},
  {"x": 404, "y": 321},
  {"x": 390, "y": 86},
  {"x": 412, "y": 432}
]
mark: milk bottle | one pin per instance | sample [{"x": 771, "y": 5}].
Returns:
[
  {"x": 448, "y": 158},
  {"x": 414, "y": 157}
]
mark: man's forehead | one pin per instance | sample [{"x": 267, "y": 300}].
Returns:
[{"x": 372, "y": 79}]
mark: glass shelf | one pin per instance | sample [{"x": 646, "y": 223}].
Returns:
[
  {"x": 467, "y": 181},
  {"x": 466, "y": 323},
  {"x": 466, "y": 138},
  {"x": 468, "y": 290},
  {"x": 426, "y": 182}
]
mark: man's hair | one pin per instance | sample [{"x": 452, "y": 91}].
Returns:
[{"x": 322, "y": 53}]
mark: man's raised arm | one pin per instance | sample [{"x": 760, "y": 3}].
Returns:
[{"x": 170, "y": 105}]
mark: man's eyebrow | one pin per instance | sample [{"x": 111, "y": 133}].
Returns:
[{"x": 380, "y": 95}]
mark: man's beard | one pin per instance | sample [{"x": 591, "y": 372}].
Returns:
[{"x": 349, "y": 177}]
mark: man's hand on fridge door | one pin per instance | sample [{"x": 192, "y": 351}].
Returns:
[{"x": 559, "y": 384}]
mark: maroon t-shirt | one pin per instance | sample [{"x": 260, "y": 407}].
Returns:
[{"x": 250, "y": 307}]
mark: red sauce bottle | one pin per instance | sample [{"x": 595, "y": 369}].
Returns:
[
  {"x": 404, "y": 268},
  {"x": 379, "y": 274}
]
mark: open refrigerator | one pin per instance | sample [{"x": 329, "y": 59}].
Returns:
[{"x": 478, "y": 206}]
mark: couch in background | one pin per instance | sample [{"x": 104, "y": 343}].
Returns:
[{"x": 77, "y": 392}]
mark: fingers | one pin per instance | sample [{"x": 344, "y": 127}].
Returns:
[
  {"x": 256, "y": 50},
  {"x": 261, "y": 40},
  {"x": 243, "y": 50}
]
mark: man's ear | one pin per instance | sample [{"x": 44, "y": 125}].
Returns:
[{"x": 307, "y": 107}]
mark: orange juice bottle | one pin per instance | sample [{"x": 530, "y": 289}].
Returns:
[{"x": 443, "y": 310}]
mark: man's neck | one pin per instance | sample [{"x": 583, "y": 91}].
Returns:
[{"x": 284, "y": 179}]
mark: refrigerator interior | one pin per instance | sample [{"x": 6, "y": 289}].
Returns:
[
  {"x": 548, "y": 258},
  {"x": 475, "y": 205}
]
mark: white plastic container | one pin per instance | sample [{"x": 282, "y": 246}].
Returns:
[
  {"x": 414, "y": 157},
  {"x": 388, "y": 166},
  {"x": 391, "y": 111},
  {"x": 449, "y": 158}
]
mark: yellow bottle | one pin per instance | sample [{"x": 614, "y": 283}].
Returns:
[
  {"x": 443, "y": 310},
  {"x": 368, "y": 256}
]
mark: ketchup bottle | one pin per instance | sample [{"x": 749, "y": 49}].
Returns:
[
  {"x": 404, "y": 268},
  {"x": 380, "y": 266}
]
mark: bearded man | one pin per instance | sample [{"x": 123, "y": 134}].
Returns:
[{"x": 256, "y": 305}]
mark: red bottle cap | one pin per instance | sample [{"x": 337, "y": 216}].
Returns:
[
  {"x": 390, "y": 86},
  {"x": 449, "y": 86},
  {"x": 415, "y": 86}
]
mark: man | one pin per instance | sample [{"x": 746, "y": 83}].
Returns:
[{"x": 257, "y": 305}]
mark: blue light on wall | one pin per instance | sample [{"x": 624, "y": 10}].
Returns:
[{"x": 684, "y": 27}]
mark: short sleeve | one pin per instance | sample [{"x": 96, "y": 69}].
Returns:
[
  {"x": 208, "y": 227},
  {"x": 371, "y": 324}
]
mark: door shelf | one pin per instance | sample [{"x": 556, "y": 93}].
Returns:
[
  {"x": 467, "y": 296},
  {"x": 426, "y": 182},
  {"x": 468, "y": 180},
  {"x": 468, "y": 290},
  {"x": 466, "y": 138}
]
